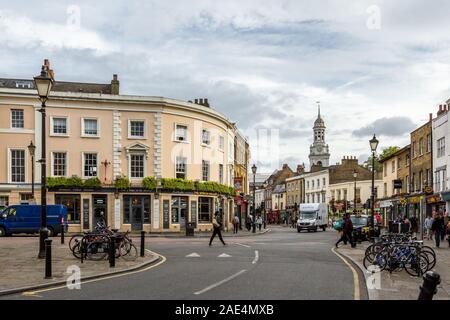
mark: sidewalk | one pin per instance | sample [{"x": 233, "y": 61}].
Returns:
[
  {"x": 21, "y": 268},
  {"x": 400, "y": 285}
]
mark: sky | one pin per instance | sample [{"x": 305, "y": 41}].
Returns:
[{"x": 375, "y": 66}]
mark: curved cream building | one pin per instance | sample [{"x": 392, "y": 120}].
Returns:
[{"x": 92, "y": 131}]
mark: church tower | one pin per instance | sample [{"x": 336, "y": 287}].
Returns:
[{"x": 319, "y": 152}]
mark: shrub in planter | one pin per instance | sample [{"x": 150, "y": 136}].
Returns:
[
  {"x": 122, "y": 183},
  {"x": 92, "y": 183},
  {"x": 178, "y": 184},
  {"x": 149, "y": 183}
]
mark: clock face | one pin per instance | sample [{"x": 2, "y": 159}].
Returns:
[{"x": 319, "y": 149}]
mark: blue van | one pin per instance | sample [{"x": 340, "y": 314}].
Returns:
[{"x": 27, "y": 219}]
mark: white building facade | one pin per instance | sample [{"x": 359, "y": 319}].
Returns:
[{"x": 317, "y": 186}]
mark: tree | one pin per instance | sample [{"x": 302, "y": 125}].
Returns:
[{"x": 384, "y": 154}]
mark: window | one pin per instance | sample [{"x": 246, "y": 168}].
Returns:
[
  {"x": 393, "y": 165},
  {"x": 137, "y": 128},
  {"x": 23, "y": 85},
  {"x": 59, "y": 126},
  {"x": 206, "y": 137},
  {"x": 312, "y": 182},
  {"x": 408, "y": 184},
  {"x": 180, "y": 167},
  {"x": 318, "y": 183},
  {"x": 414, "y": 182},
  {"x": 385, "y": 189},
  {"x": 429, "y": 143},
  {"x": 90, "y": 127},
  {"x": 307, "y": 184},
  {"x": 4, "y": 201},
  {"x": 420, "y": 180},
  {"x": 345, "y": 194},
  {"x": 25, "y": 197},
  {"x": 205, "y": 170},
  {"x": 323, "y": 197},
  {"x": 221, "y": 143},
  {"x": 72, "y": 202},
  {"x": 414, "y": 150},
  {"x": 137, "y": 164},
  {"x": 441, "y": 147},
  {"x": 428, "y": 177},
  {"x": 17, "y": 118},
  {"x": 17, "y": 165},
  {"x": 438, "y": 181},
  {"x": 59, "y": 164},
  {"x": 324, "y": 182},
  {"x": 205, "y": 208},
  {"x": 421, "y": 146},
  {"x": 307, "y": 198},
  {"x": 180, "y": 132},
  {"x": 399, "y": 162},
  {"x": 90, "y": 165},
  {"x": 221, "y": 173},
  {"x": 408, "y": 160},
  {"x": 385, "y": 169}
]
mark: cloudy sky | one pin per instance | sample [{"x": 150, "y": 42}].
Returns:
[{"x": 375, "y": 66}]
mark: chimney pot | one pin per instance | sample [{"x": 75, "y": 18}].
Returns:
[{"x": 196, "y": 101}]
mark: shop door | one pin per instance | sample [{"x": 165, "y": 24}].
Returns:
[
  {"x": 180, "y": 210},
  {"x": 137, "y": 217},
  {"x": 100, "y": 207}
]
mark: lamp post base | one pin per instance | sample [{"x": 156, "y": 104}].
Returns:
[{"x": 43, "y": 234}]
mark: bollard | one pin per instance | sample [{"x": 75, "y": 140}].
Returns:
[
  {"x": 62, "y": 233},
  {"x": 429, "y": 287},
  {"x": 48, "y": 258},
  {"x": 112, "y": 251},
  {"x": 142, "y": 243}
]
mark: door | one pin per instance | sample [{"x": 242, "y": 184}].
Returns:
[
  {"x": 99, "y": 211},
  {"x": 180, "y": 210},
  {"x": 137, "y": 216}
]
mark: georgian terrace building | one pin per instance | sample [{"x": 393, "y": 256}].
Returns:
[{"x": 94, "y": 132}]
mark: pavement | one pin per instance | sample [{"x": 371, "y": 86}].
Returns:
[
  {"x": 400, "y": 285},
  {"x": 22, "y": 270},
  {"x": 281, "y": 264}
]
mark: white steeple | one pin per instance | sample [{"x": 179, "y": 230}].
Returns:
[{"x": 319, "y": 151}]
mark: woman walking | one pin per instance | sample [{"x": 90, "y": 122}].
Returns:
[{"x": 216, "y": 229}]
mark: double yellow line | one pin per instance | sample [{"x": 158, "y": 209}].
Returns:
[
  {"x": 163, "y": 259},
  {"x": 356, "y": 293}
]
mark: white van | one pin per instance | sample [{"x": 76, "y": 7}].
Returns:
[{"x": 312, "y": 216}]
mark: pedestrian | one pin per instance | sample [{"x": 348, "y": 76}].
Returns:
[
  {"x": 236, "y": 223},
  {"x": 438, "y": 229},
  {"x": 217, "y": 225},
  {"x": 347, "y": 234},
  {"x": 447, "y": 231},
  {"x": 427, "y": 225},
  {"x": 414, "y": 225},
  {"x": 248, "y": 223},
  {"x": 259, "y": 222}
]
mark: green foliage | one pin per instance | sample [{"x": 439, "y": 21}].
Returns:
[
  {"x": 149, "y": 183},
  {"x": 384, "y": 154},
  {"x": 388, "y": 152},
  {"x": 72, "y": 182},
  {"x": 188, "y": 185},
  {"x": 177, "y": 184},
  {"x": 122, "y": 183}
]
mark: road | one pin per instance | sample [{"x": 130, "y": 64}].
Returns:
[{"x": 281, "y": 264}]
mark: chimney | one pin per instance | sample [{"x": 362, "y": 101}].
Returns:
[
  {"x": 115, "y": 85},
  {"x": 206, "y": 103},
  {"x": 300, "y": 169},
  {"x": 49, "y": 70},
  {"x": 431, "y": 117},
  {"x": 285, "y": 166}
]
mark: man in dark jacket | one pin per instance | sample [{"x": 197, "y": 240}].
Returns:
[
  {"x": 347, "y": 234},
  {"x": 438, "y": 228},
  {"x": 414, "y": 225},
  {"x": 217, "y": 225}
]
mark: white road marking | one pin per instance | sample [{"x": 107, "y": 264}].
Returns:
[
  {"x": 193, "y": 255},
  {"x": 243, "y": 245},
  {"x": 224, "y": 255},
  {"x": 256, "y": 257},
  {"x": 220, "y": 282}
]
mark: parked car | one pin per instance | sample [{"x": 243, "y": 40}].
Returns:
[
  {"x": 27, "y": 219},
  {"x": 361, "y": 225}
]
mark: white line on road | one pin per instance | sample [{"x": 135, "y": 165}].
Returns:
[
  {"x": 256, "y": 257},
  {"x": 220, "y": 282},
  {"x": 243, "y": 245}
]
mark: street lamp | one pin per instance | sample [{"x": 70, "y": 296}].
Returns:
[
  {"x": 355, "y": 175},
  {"x": 43, "y": 84},
  {"x": 254, "y": 195},
  {"x": 31, "y": 150},
  {"x": 373, "y": 146}
]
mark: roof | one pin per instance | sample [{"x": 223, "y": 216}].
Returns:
[
  {"x": 395, "y": 154},
  {"x": 59, "y": 86}
]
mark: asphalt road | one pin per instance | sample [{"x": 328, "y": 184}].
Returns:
[{"x": 281, "y": 264}]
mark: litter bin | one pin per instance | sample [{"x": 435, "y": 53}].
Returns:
[{"x": 190, "y": 226}]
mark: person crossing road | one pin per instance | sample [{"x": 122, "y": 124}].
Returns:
[{"x": 217, "y": 224}]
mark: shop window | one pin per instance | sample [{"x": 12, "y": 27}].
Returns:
[
  {"x": 136, "y": 209},
  {"x": 72, "y": 202},
  {"x": 205, "y": 209}
]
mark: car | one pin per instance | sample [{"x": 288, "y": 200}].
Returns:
[
  {"x": 17, "y": 219},
  {"x": 361, "y": 226}
]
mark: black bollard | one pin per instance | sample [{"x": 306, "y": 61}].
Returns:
[
  {"x": 429, "y": 287},
  {"x": 48, "y": 258},
  {"x": 62, "y": 233},
  {"x": 142, "y": 243},
  {"x": 112, "y": 251}
]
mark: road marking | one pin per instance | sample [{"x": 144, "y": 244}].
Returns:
[
  {"x": 163, "y": 259},
  {"x": 224, "y": 255},
  {"x": 356, "y": 293},
  {"x": 256, "y": 257},
  {"x": 243, "y": 245},
  {"x": 220, "y": 282},
  {"x": 193, "y": 255}
]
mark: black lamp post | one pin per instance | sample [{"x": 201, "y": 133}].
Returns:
[
  {"x": 31, "y": 150},
  {"x": 373, "y": 146},
  {"x": 43, "y": 84},
  {"x": 355, "y": 175},
  {"x": 254, "y": 195}
]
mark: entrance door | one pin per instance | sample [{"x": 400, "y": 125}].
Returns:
[
  {"x": 180, "y": 210},
  {"x": 137, "y": 217},
  {"x": 100, "y": 209}
]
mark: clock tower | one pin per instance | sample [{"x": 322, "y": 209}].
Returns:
[{"x": 319, "y": 152}]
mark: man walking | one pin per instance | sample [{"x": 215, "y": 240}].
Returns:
[
  {"x": 414, "y": 225},
  {"x": 217, "y": 225},
  {"x": 347, "y": 231},
  {"x": 438, "y": 228},
  {"x": 236, "y": 224}
]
